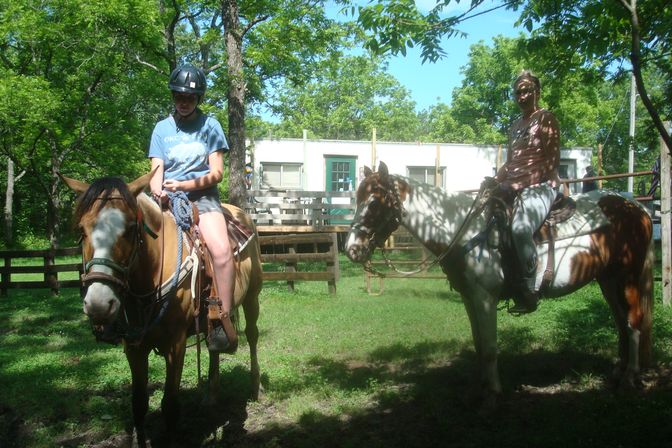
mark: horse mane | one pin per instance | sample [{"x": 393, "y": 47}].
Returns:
[{"x": 100, "y": 191}]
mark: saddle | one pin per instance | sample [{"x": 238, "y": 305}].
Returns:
[
  {"x": 568, "y": 218},
  {"x": 202, "y": 280}
]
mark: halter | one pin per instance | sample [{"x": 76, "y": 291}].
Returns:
[{"x": 391, "y": 219}]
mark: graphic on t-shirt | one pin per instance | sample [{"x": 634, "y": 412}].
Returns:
[{"x": 187, "y": 157}]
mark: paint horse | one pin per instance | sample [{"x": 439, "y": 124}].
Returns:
[
  {"x": 130, "y": 249},
  {"x": 619, "y": 256}
]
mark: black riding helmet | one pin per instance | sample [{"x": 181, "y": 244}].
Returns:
[{"x": 187, "y": 79}]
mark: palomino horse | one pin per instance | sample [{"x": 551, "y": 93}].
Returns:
[
  {"x": 619, "y": 256},
  {"x": 130, "y": 249}
]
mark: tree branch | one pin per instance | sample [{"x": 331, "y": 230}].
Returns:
[
  {"x": 637, "y": 73},
  {"x": 253, "y": 23},
  {"x": 147, "y": 64}
]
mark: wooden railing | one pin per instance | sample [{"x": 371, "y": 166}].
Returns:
[
  {"x": 49, "y": 269},
  {"x": 407, "y": 254},
  {"x": 306, "y": 256},
  {"x": 301, "y": 211}
]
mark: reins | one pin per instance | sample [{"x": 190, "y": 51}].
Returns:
[{"x": 425, "y": 265}]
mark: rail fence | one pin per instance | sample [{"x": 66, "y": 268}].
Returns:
[
  {"x": 49, "y": 268},
  {"x": 285, "y": 257}
]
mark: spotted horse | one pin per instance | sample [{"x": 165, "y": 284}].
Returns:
[{"x": 455, "y": 228}]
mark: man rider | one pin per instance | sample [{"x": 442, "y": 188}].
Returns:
[{"x": 531, "y": 172}]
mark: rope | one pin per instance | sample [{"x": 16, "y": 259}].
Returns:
[{"x": 182, "y": 212}]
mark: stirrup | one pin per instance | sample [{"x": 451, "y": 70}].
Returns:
[{"x": 222, "y": 336}]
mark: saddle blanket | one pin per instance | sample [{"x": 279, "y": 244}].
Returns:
[{"x": 587, "y": 217}]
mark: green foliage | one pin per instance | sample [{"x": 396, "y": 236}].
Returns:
[{"x": 347, "y": 99}]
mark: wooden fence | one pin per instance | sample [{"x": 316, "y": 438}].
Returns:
[
  {"x": 49, "y": 269},
  {"x": 306, "y": 256},
  {"x": 303, "y": 211},
  {"x": 407, "y": 254}
]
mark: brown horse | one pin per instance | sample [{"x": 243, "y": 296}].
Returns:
[
  {"x": 619, "y": 255},
  {"x": 130, "y": 249}
]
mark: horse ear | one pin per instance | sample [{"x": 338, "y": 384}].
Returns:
[
  {"x": 367, "y": 171},
  {"x": 382, "y": 170},
  {"x": 141, "y": 182},
  {"x": 75, "y": 185}
]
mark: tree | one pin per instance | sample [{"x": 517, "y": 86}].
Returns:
[
  {"x": 607, "y": 33},
  {"x": 63, "y": 101},
  {"x": 245, "y": 45},
  {"x": 85, "y": 80},
  {"x": 346, "y": 100},
  {"x": 570, "y": 33}
]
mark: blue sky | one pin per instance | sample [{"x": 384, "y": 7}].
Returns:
[{"x": 430, "y": 83}]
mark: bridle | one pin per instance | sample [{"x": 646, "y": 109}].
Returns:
[
  {"x": 118, "y": 280},
  {"x": 394, "y": 215},
  {"x": 389, "y": 222}
]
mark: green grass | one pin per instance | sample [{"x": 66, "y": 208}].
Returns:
[{"x": 349, "y": 369}]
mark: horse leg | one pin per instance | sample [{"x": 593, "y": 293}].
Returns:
[
  {"x": 619, "y": 295},
  {"x": 481, "y": 308},
  {"x": 139, "y": 365},
  {"x": 251, "y": 310},
  {"x": 213, "y": 379},
  {"x": 632, "y": 298},
  {"x": 170, "y": 406}
]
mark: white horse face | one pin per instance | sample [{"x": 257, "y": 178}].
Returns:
[
  {"x": 102, "y": 300},
  {"x": 109, "y": 220}
]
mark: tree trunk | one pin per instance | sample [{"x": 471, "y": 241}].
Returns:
[
  {"x": 236, "y": 102},
  {"x": 53, "y": 205},
  {"x": 9, "y": 204},
  {"x": 635, "y": 60}
]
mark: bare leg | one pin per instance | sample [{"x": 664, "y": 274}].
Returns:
[{"x": 213, "y": 228}]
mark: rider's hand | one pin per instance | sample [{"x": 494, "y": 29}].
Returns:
[
  {"x": 160, "y": 197},
  {"x": 171, "y": 185},
  {"x": 505, "y": 187},
  {"x": 488, "y": 183}
]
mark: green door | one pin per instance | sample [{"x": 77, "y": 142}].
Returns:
[{"x": 340, "y": 176}]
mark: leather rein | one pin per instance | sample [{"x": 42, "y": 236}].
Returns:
[{"x": 398, "y": 213}]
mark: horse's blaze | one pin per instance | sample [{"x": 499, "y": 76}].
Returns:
[
  {"x": 357, "y": 248},
  {"x": 101, "y": 303}
]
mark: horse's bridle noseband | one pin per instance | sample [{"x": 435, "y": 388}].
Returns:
[
  {"x": 118, "y": 280},
  {"x": 390, "y": 220}
]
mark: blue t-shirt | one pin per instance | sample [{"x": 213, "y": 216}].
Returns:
[{"x": 185, "y": 149}]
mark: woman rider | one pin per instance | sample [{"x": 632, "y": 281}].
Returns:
[{"x": 187, "y": 148}]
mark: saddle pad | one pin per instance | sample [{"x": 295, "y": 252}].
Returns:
[{"x": 587, "y": 217}]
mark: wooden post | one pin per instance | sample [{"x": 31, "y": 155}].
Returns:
[
  {"x": 50, "y": 275},
  {"x": 600, "y": 171},
  {"x": 499, "y": 156},
  {"x": 665, "y": 221},
  {"x": 332, "y": 266},
  {"x": 290, "y": 266},
  {"x": 5, "y": 276}
]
